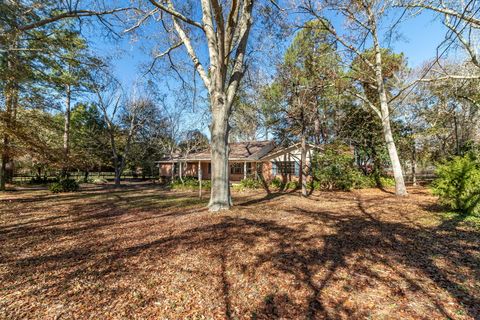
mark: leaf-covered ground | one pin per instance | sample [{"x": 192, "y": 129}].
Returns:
[{"x": 141, "y": 252}]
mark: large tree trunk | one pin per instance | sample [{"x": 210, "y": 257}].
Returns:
[
  {"x": 317, "y": 129},
  {"x": 116, "y": 163},
  {"x": 6, "y": 140},
  {"x": 220, "y": 193},
  {"x": 400, "y": 189},
  {"x": 377, "y": 166},
  {"x": 455, "y": 126},
  {"x": 11, "y": 101},
  {"x": 5, "y": 160},
  {"x": 66, "y": 131},
  {"x": 414, "y": 164},
  {"x": 118, "y": 176},
  {"x": 226, "y": 35},
  {"x": 303, "y": 166}
]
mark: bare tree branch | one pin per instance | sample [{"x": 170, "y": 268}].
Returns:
[{"x": 169, "y": 9}]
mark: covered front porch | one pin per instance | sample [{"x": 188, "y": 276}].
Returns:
[{"x": 201, "y": 169}]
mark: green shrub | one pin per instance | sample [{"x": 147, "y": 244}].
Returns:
[
  {"x": 276, "y": 183},
  {"x": 387, "y": 181},
  {"x": 334, "y": 169},
  {"x": 206, "y": 184},
  {"x": 292, "y": 185},
  {"x": 250, "y": 183},
  {"x": 189, "y": 183},
  {"x": 64, "y": 185},
  {"x": 458, "y": 184}
]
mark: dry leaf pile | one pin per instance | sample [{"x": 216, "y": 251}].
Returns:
[{"x": 141, "y": 252}]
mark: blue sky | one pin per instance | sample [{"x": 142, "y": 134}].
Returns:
[{"x": 420, "y": 37}]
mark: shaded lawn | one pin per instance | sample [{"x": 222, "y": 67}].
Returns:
[{"x": 145, "y": 253}]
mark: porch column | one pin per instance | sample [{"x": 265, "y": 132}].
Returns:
[
  {"x": 199, "y": 179},
  {"x": 244, "y": 170}
]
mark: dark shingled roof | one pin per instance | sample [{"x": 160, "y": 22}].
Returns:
[{"x": 251, "y": 150}]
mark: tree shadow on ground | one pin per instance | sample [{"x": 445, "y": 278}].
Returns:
[
  {"x": 268, "y": 197},
  {"x": 346, "y": 243}
]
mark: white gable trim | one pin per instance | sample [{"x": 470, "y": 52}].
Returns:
[{"x": 293, "y": 151}]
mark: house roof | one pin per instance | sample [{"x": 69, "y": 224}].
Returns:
[{"x": 244, "y": 151}]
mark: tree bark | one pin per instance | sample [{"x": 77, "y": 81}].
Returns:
[
  {"x": 220, "y": 193},
  {"x": 226, "y": 36},
  {"x": 303, "y": 166},
  {"x": 457, "y": 142},
  {"x": 400, "y": 189},
  {"x": 414, "y": 164},
  {"x": 377, "y": 168},
  {"x": 11, "y": 101},
  {"x": 118, "y": 175},
  {"x": 317, "y": 129},
  {"x": 66, "y": 131},
  {"x": 5, "y": 150},
  {"x": 199, "y": 179}
]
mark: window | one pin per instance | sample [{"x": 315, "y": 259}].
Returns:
[
  {"x": 285, "y": 167},
  {"x": 236, "y": 168}
]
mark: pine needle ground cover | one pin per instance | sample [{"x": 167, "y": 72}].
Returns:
[{"x": 140, "y": 252}]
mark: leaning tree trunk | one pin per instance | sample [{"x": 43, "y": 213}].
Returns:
[
  {"x": 220, "y": 193},
  {"x": 400, "y": 189}
]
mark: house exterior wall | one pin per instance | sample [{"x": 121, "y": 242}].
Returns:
[
  {"x": 265, "y": 168},
  {"x": 191, "y": 170},
  {"x": 294, "y": 156},
  {"x": 205, "y": 174},
  {"x": 165, "y": 170}
]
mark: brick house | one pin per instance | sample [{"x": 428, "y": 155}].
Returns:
[{"x": 254, "y": 159}]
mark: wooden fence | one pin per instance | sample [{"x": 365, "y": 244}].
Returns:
[{"x": 25, "y": 178}]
